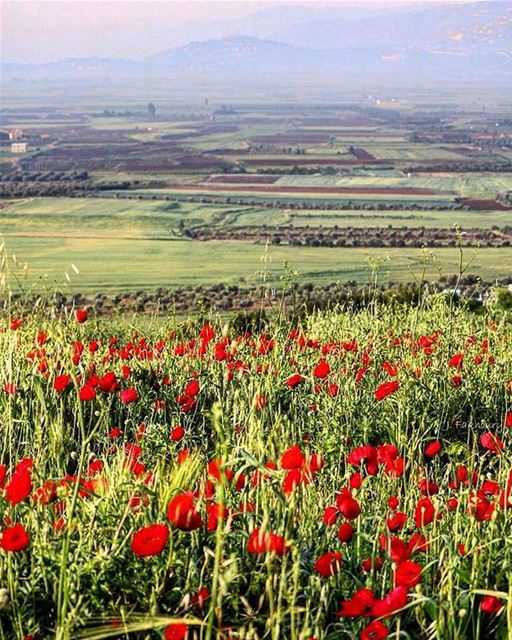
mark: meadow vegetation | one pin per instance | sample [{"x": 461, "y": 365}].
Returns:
[{"x": 345, "y": 475}]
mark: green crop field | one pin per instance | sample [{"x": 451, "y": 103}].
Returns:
[
  {"x": 389, "y": 151},
  {"x": 109, "y": 265},
  {"x": 131, "y": 244},
  {"x": 467, "y": 185},
  {"x": 152, "y": 219}
]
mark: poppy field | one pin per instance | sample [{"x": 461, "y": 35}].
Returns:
[{"x": 348, "y": 475}]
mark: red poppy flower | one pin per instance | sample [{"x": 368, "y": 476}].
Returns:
[
  {"x": 19, "y": 486},
  {"x": 424, "y": 512},
  {"x": 391, "y": 369},
  {"x": 3, "y": 473},
  {"x": 427, "y": 487},
  {"x": 207, "y": 333},
  {"x": 374, "y": 564},
  {"x": 418, "y": 542},
  {"x": 322, "y": 369},
  {"x": 14, "y": 539},
  {"x": 61, "y": 382},
  {"x": 150, "y": 541},
  {"x": 432, "y": 449},
  {"x": 128, "y": 396},
  {"x": 108, "y": 383},
  {"x": 16, "y": 324},
  {"x": 177, "y": 434},
  {"x": 332, "y": 390},
  {"x": 393, "y": 503},
  {"x": 491, "y": 442},
  {"x": 177, "y": 631},
  {"x": 490, "y": 605},
  {"x": 81, "y": 315},
  {"x": 263, "y": 541},
  {"x": 294, "y": 380},
  {"x": 356, "y": 480},
  {"x": 348, "y": 505},
  {"x": 218, "y": 471},
  {"x": 292, "y": 480},
  {"x": 328, "y": 564},
  {"x": 481, "y": 508},
  {"x": 364, "y": 455},
  {"x": 358, "y": 605},
  {"x": 345, "y": 532},
  {"x": 456, "y": 381},
  {"x": 316, "y": 463},
  {"x": 397, "y": 521},
  {"x": 183, "y": 455},
  {"x": 376, "y": 630},
  {"x": 216, "y": 512},
  {"x": 508, "y": 420},
  {"x": 407, "y": 574},
  {"x": 200, "y": 597},
  {"x": 456, "y": 361},
  {"x": 398, "y": 550},
  {"x": 385, "y": 389},
  {"x": 292, "y": 458},
  {"x": 192, "y": 388},
  {"x": 330, "y": 516},
  {"x": 46, "y": 493},
  {"x": 390, "y": 604},
  {"x": 182, "y": 512},
  {"x": 87, "y": 393}
]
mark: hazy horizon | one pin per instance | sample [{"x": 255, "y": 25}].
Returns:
[{"x": 136, "y": 29}]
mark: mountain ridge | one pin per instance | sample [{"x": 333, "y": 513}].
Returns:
[{"x": 452, "y": 43}]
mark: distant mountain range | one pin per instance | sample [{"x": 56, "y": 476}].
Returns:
[{"x": 419, "y": 44}]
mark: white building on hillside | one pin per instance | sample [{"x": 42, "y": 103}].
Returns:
[{"x": 19, "y": 147}]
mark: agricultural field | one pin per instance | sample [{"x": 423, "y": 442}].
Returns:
[
  {"x": 161, "y": 218},
  {"x": 135, "y": 264},
  {"x": 344, "y": 475},
  {"x": 192, "y": 194}
]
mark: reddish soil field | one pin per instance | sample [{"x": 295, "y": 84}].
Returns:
[
  {"x": 305, "y": 161},
  {"x": 485, "y": 205},
  {"x": 362, "y": 154},
  {"x": 243, "y": 179},
  {"x": 465, "y": 151}
]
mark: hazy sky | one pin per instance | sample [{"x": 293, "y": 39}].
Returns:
[{"x": 44, "y": 30}]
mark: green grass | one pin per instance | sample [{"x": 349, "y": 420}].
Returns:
[
  {"x": 108, "y": 265},
  {"x": 102, "y": 217},
  {"x": 131, "y": 244},
  {"x": 111, "y": 218},
  {"x": 412, "y": 152},
  {"x": 466, "y": 185}
]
